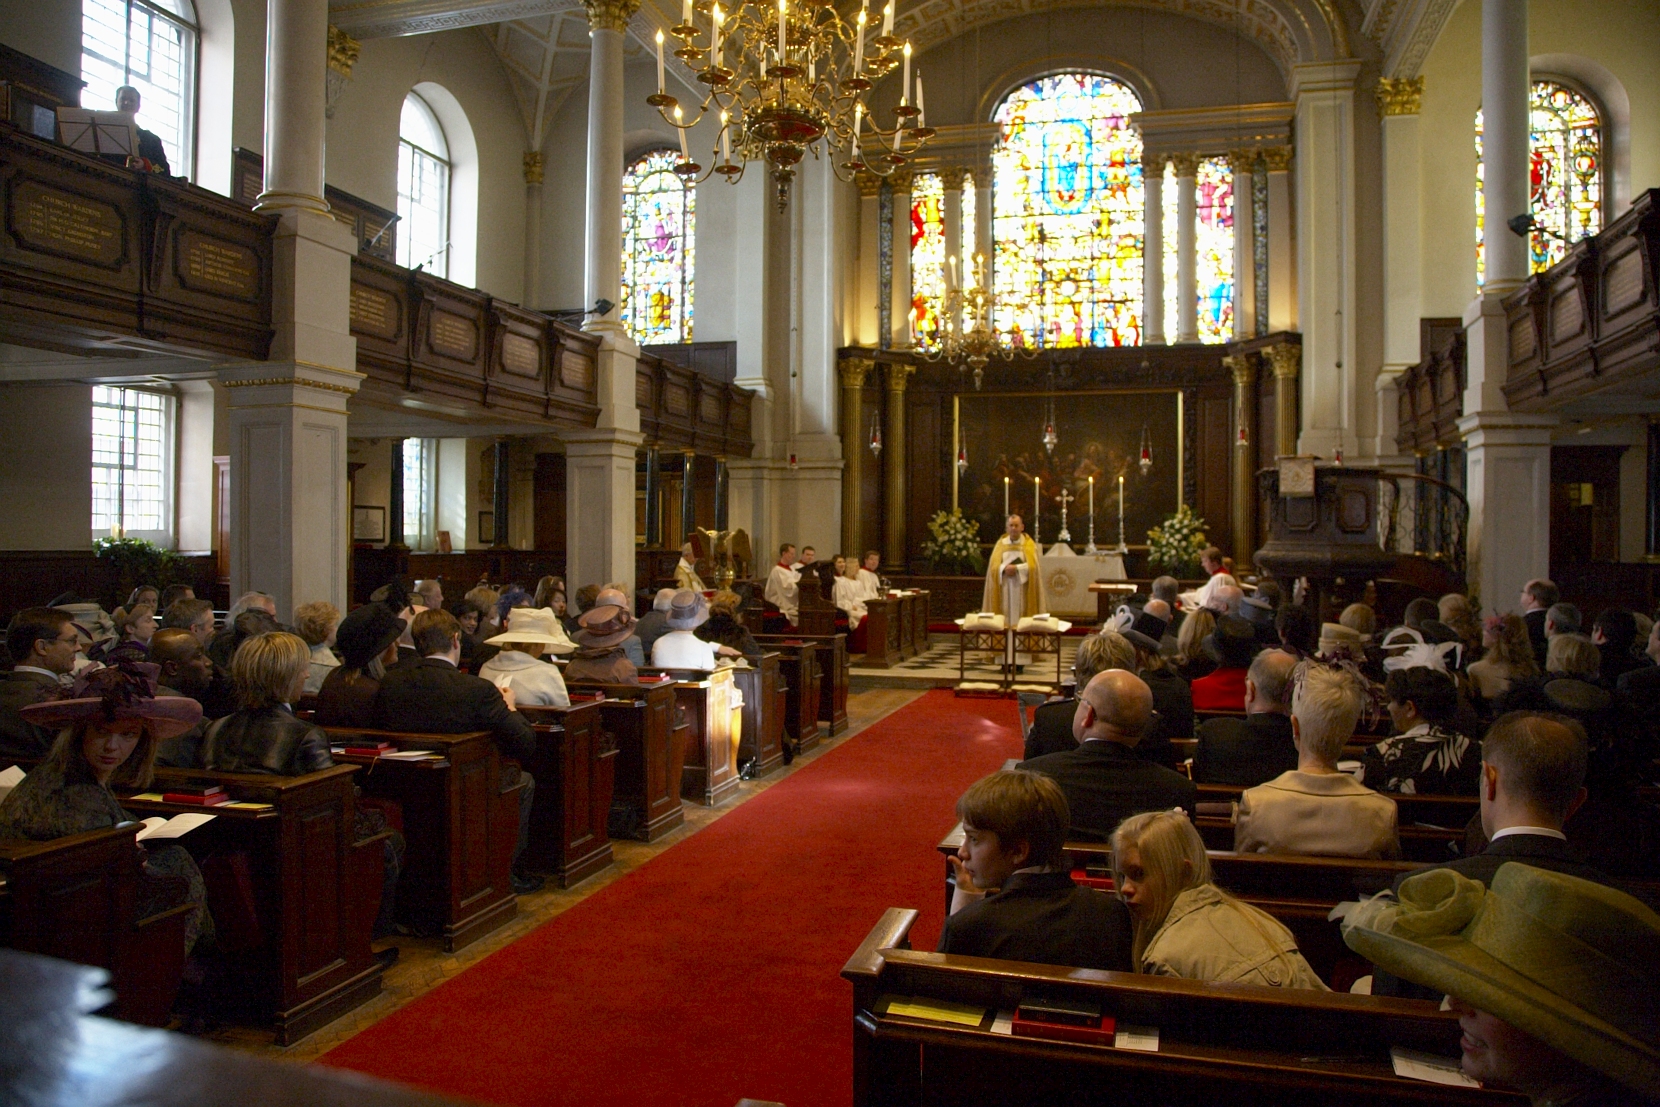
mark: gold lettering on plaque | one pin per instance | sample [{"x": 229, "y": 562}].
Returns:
[
  {"x": 213, "y": 265},
  {"x": 576, "y": 371},
  {"x": 374, "y": 312},
  {"x": 520, "y": 355},
  {"x": 453, "y": 336},
  {"x": 67, "y": 225}
]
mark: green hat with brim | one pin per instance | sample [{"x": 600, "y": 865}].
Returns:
[{"x": 1573, "y": 963}]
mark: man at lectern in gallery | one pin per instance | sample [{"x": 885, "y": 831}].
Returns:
[{"x": 1014, "y": 582}]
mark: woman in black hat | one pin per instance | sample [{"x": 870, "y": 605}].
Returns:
[{"x": 368, "y": 642}]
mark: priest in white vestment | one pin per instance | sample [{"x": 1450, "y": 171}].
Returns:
[
  {"x": 1014, "y": 583},
  {"x": 783, "y": 590}
]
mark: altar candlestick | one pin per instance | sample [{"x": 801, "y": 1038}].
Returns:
[
  {"x": 659, "y": 63},
  {"x": 1037, "y": 504},
  {"x": 1005, "y": 500},
  {"x": 685, "y": 155},
  {"x": 1122, "y": 548},
  {"x": 1091, "y": 514}
]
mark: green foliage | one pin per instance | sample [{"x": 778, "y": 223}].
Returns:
[
  {"x": 1174, "y": 544},
  {"x": 954, "y": 545},
  {"x": 136, "y": 561}
]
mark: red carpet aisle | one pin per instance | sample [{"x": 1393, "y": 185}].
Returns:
[{"x": 711, "y": 973}]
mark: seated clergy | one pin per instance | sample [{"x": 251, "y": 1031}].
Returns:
[
  {"x": 1258, "y": 747},
  {"x": 433, "y": 696},
  {"x": 368, "y": 643},
  {"x": 107, "y": 728},
  {"x": 1316, "y": 808},
  {"x": 1234, "y": 642},
  {"x": 680, "y": 648},
  {"x": 530, "y": 633},
  {"x": 870, "y": 583},
  {"x": 1014, "y": 898},
  {"x": 602, "y": 633},
  {"x": 42, "y": 642},
  {"x": 1184, "y": 924},
  {"x": 685, "y": 572},
  {"x": 1103, "y": 779},
  {"x": 783, "y": 589}
]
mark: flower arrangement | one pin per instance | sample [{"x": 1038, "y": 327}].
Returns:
[
  {"x": 1175, "y": 543},
  {"x": 136, "y": 561},
  {"x": 955, "y": 543}
]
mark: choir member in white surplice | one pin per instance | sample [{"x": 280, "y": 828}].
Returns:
[{"x": 783, "y": 590}]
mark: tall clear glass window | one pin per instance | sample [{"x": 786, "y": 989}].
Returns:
[
  {"x": 132, "y": 463},
  {"x": 151, "y": 45},
  {"x": 420, "y": 491},
  {"x": 423, "y": 189}
]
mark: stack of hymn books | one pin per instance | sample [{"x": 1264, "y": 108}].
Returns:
[
  {"x": 1064, "y": 1020},
  {"x": 366, "y": 749},
  {"x": 202, "y": 795}
]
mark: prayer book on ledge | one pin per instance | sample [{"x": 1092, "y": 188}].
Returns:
[
  {"x": 1064, "y": 1020},
  {"x": 377, "y": 750},
  {"x": 202, "y": 795}
]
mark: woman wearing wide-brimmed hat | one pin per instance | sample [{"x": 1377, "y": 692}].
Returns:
[
  {"x": 601, "y": 631},
  {"x": 679, "y": 648},
  {"x": 530, "y": 633},
  {"x": 109, "y": 724},
  {"x": 1556, "y": 980},
  {"x": 367, "y": 639}
]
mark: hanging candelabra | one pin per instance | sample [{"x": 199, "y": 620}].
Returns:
[
  {"x": 782, "y": 77},
  {"x": 968, "y": 331}
]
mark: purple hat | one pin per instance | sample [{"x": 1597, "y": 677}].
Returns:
[{"x": 126, "y": 690}]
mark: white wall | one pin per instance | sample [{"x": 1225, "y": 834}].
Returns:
[
  {"x": 49, "y": 30},
  {"x": 45, "y": 468}
]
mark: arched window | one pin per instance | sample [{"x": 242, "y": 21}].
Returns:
[
  {"x": 1213, "y": 253},
  {"x": 659, "y": 227},
  {"x": 151, "y": 45},
  {"x": 1565, "y": 168},
  {"x": 927, "y": 258},
  {"x": 1067, "y": 213},
  {"x": 423, "y": 189}
]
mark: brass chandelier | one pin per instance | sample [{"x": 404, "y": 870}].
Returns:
[
  {"x": 782, "y": 76},
  {"x": 968, "y": 333}
]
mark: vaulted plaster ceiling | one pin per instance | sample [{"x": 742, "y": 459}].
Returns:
[{"x": 546, "y": 57}]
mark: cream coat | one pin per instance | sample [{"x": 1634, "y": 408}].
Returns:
[
  {"x": 534, "y": 683},
  {"x": 1330, "y": 814},
  {"x": 1205, "y": 937}
]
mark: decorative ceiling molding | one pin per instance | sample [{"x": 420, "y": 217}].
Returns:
[
  {"x": 1213, "y": 131},
  {"x": 363, "y": 19},
  {"x": 1406, "y": 31}
]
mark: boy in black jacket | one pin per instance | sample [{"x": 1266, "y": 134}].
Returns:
[{"x": 1014, "y": 899}]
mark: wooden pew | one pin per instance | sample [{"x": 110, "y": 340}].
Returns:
[
  {"x": 765, "y": 701},
  {"x": 651, "y": 751},
  {"x": 459, "y": 824},
  {"x": 1449, "y": 812},
  {"x": 316, "y": 889},
  {"x": 1421, "y": 844},
  {"x": 575, "y": 768},
  {"x": 884, "y": 647},
  {"x": 798, "y": 664},
  {"x": 77, "y": 899},
  {"x": 704, "y": 699},
  {"x": 835, "y": 670},
  {"x": 1217, "y": 1043}
]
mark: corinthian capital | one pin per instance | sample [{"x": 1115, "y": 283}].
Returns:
[
  {"x": 1399, "y": 96},
  {"x": 610, "y": 15}
]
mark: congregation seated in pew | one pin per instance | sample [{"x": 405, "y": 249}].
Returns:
[
  {"x": 368, "y": 641},
  {"x": 42, "y": 643},
  {"x": 723, "y": 628},
  {"x": 679, "y": 647},
  {"x": 108, "y": 725},
  {"x": 1426, "y": 755},
  {"x": 1259, "y": 747},
  {"x": 1051, "y": 730},
  {"x": 604, "y": 630},
  {"x": 530, "y": 633}
]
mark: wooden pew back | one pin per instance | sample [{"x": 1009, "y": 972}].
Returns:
[
  {"x": 799, "y": 668},
  {"x": 765, "y": 701},
  {"x": 652, "y": 755},
  {"x": 705, "y": 700},
  {"x": 576, "y": 775},
  {"x": 835, "y": 669}
]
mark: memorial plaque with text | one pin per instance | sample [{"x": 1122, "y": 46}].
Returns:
[
  {"x": 453, "y": 335},
  {"x": 375, "y": 312},
  {"x": 57, "y": 222},
  {"x": 207, "y": 264},
  {"x": 576, "y": 371},
  {"x": 521, "y": 356}
]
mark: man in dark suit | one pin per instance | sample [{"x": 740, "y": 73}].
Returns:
[
  {"x": 1537, "y": 597},
  {"x": 1103, "y": 780},
  {"x": 1615, "y": 632},
  {"x": 42, "y": 642},
  {"x": 433, "y": 696},
  {"x": 1259, "y": 747}
]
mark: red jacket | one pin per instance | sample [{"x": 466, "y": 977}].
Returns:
[{"x": 1222, "y": 690}]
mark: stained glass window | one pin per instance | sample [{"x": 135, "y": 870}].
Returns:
[
  {"x": 1213, "y": 249},
  {"x": 132, "y": 463},
  {"x": 971, "y": 210},
  {"x": 1564, "y": 175},
  {"x": 658, "y": 231},
  {"x": 150, "y": 45},
  {"x": 1067, "y": 213},
  {"x": 927, "y": 258}
]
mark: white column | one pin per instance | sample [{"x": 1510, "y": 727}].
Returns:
[
  {"x": 1187, "y": 228},
  {"x": 607, "y": 24},
  {"x": 952, "y": 214},
  {"x": 1398, "y": 102},
  {"x": 1282, "y": 239},
  {"x": 599, "y": 487},
  {"x": 1242, "y": 163},
  {"x": 532, "y": 295},
  {"x": 900, "y": 317},
  {"x": 867, "y": 313},
  {"x": 1152, "y": 250},
  {"x": 290, "y": 520},
  {"x": 1324, "y": 93},
  {"x": 1507, "y": 481},
  {"x": 1504, "y": 138}
]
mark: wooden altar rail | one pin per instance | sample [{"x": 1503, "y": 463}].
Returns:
[
  {"x": 99, "y": 258},
  {"x": 1591, "y": 322},
  {"x": 316, "y": 888},
  {"x": 77, "y": 899},
  {"x": 1233, "y": 1043}
]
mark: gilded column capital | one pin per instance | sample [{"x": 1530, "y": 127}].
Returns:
[
  {"x": 533, "y": 167},
  {"x": 854, "y": 370},
  {"x": 901, "y": 180},
  {"x": 1278, "y": 158},
  {"x": 869, "y": 183},
  {"x": 1399, "y": 96},
  {"x": 952, "y": 177},
  {"x": 610, "y": 15},
  {"x": 898, "y": 375},
  {"x": 1187, "y": 165},
  {"x": 1287, "y": 360},
  {"x": 1243, "y": 367},
  {"x": 1153, "y": 163},
  {"x": 1242, "y": 161},
  {"x": 343, "y": 51}
]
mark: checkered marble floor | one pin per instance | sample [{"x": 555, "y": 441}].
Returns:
[{"x": 937, "y": 667}]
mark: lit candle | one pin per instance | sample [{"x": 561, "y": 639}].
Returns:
[
  {"x": 887, "y": 19},
  {"x": 714, "y": 34},
  {"x": 858, "y": 118},
  {"x": 659, "y": 63},
  {"x": 905, "y": 86},
  {"x": 783, "y": 34},
  {"x": 951, "y": 274},
  {"x": 686, "y": 13},
  {"x": 812, "y": 71},
  {"x": 725, "y": 141},
  {"x": 1005, "y": 499},
  {"x": 859, "y": 44},
  {"x": 679, "y": 127},
  {"x": 921, "y": 111},
  {"x": 1037, "y": 501},
  {"x": 1121, "y": 509},
  {"x": 1092, "y": 506}
]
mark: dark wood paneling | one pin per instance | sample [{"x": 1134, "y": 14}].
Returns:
[
  {"x": 373, "y": 226},
  {"x": 31, "y": 578},
  {"x": 715, "y": 360},
  {"x": 550, "y": 504},
  {"x": 681, "y": 408},
  {"x": 927, "y": 466},
  {"x": 1214, "y": 465}
]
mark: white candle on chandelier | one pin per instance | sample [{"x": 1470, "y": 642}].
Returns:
[
  {"x": 859, "y": 43},
  {"x": 887, "y": 19},
  {"x": 858, "y": 118},
  {"x": 921, "y": 110},
  {"x": 680, "y": 127},
  {"x": 714, "y": 34},
  {"x": 686, "y": 13},
  {"x": 659, "y": 63},
  {"x": 905, "y": 86},
  {"x": 783, "y": 33},
  {"x": 725, "y": 141}
]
